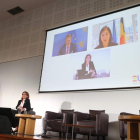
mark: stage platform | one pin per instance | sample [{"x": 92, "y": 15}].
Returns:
[{"x": 25, "y": 137}]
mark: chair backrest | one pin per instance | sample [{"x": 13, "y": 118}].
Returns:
[
  {"x": 94, "y": 112},
  {"x": 67, "y": 111},
  {"x": 97, "y": 111},
  {"x": 5, "y": 125},
  {"x": 10, "y": 114}
]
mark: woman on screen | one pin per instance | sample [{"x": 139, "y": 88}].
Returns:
[
  {"x": 23, "y": 106},
  {"x": 105, "y": 38},
  {"x": 88, "y": 69}
]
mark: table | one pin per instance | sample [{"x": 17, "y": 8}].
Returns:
[
  {"x": 27, "y": 123},
  {"x": 133, "y": 126},
  {"x": 74, "y": 125}
]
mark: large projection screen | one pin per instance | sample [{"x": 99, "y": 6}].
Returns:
[{"x": 98, "y": 53}]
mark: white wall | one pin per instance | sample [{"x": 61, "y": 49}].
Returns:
[{"x": 23, "y": 36}]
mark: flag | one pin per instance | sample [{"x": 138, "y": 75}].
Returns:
[
  {"x": 114, "y": 33},
  {"x": 122, "y": 33},
  {"x": 79, "y": 37}
]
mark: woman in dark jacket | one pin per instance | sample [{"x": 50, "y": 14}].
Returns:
[
  {"x": 105, "y": 38},
  {"x": 23, "y": 105},
  {"x": 88, "y": 68}
]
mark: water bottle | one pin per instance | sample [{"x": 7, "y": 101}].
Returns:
[
  {"x": 25, "y": 112},
  {"x": 19, "y": 111}
]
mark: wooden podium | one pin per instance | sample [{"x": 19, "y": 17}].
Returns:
[
  {"x": 27, "y": 123},
  {"x": 133, "y": 126}
]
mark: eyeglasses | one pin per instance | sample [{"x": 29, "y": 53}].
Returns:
[{"x": 23, "y": 94}]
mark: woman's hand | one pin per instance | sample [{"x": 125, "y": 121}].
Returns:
[
  {"x": 91, "y": 71},
  {"x": 22, "y": 109},
  {"x": 92, "y": 75}
]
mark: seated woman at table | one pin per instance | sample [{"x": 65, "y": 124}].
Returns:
[
  {"x": 88, "y": 68},
  {"x": 23, "y": 106}
]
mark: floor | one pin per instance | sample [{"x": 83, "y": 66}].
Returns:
[
  {"x": 26, "y": 137},
  {"x": 37, "y": 137}
]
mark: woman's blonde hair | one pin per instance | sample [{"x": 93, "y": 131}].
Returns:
[{"x": 26, "y": 94}]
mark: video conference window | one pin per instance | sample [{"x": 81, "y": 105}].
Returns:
[
  {"x": 95, "y": 64},
  {"x": 119, "y": 31},
  {"x": 70, "y": 42},
  {"x": 99, "y": 53}
]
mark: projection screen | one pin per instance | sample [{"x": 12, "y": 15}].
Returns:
[{"x": 98, "y": 53}]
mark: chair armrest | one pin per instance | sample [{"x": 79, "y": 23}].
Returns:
[
  {"x": 14, "y": 111},
  {"x": 78, "y": 116},
  {"x": 122, "y": 128},
  {"x": 102, "y": 121},
  {"x": 68, "y": 118},
  {"x": 52, "y": 115}
]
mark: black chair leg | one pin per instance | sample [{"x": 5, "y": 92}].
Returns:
[
  {"x": 64, "y": 135},
  {"x": 122, "y": 138},
  {"x": 88, "y": 137},
  {"x": 98, "y": 137},
  {"x": 59, "y": 134},
  {"x": 74, "y": 135},
  {"x": 103, "y": 137},
  {"x": 44, "y": 133}
]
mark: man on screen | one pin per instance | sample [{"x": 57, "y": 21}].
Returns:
[{"x": 68, "y": 47}]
